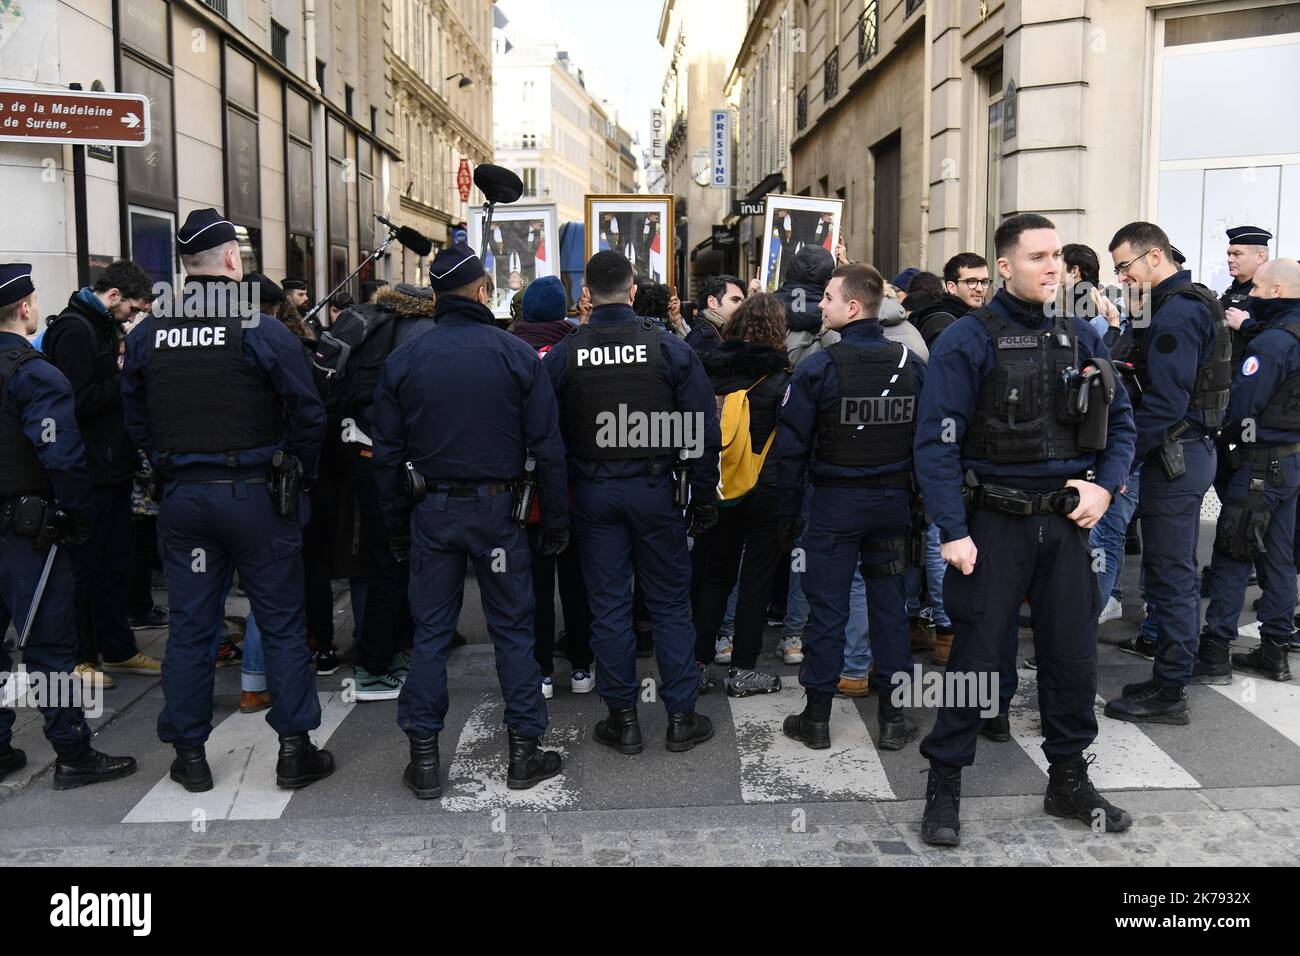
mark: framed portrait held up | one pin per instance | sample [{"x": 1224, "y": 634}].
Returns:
[
  {"x": 641, "y": 227},
  {"x": 523, "y": 245},
  {"x": 791, "y": 223}
]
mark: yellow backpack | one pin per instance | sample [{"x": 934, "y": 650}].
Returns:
[{"x": 739, "y": 465}]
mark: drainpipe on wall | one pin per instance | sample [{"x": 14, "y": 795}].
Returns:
[
  {"x": 926, "y": 110},
  {"x": 320, "y": 167}
]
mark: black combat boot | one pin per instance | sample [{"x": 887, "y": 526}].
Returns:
[
  {"x": 996, "y": 729},
  {"x": 422, "y": 773},
  {"x": 896, "y": 729},
  {"x": 190, "y": 769},
  {"x": 1070, "y": 794},
  {"x": 620, "y": 730},
  {"x": 941, "y": 824},
  {"x": 1152, "y": 703},
  {"x": 11, "y": 759},
  {"x": 90, "y": 766},
  {"x": 301, "y": 763},
  {"x": 1212, "y": 665},
  {"x": 812, "y": 728},
  {"x": 1268, "y": 659},
  {"x": 529, "y": 764},
  {"x": 687, "y": 730}
]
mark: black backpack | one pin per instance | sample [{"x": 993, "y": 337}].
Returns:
[{"x": 335, "y": 346}]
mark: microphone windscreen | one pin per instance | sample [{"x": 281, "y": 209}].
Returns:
[
  {"x": 420, "y": 245},
  {"x": 497, "y": 183}
]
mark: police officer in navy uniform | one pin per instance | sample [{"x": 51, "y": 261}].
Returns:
[
  {"x": 221, "y": 398},
  {"x": 620, "y": 369},
  {"x": 1182, "y": 364},
  {"x": 852, "y": 408},
  {"x": 1259, "y": 508},
  {"x": 44, "y": 502},
  {"x": 1247, "y": 252},
  {"x": 1002, "y": 404},
  {"x": 458, "y": 411}
]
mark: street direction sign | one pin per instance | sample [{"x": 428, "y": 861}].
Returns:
[{"x": 74, "y": 116}]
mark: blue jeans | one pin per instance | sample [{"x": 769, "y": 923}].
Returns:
[
  {"x": 1108, "y": 536},
  {"x": 796, "y": 605},
  {"x": 934, "y": 572},
  {"x": 728, "y": 628},
  {"x": 252, "y": 674},
  {"x": 857, "y": 648}
]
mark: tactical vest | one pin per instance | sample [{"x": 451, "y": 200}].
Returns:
[
  {"x": 1214, "y": 377},
  {"x": 1023, "y": 413},
  {"x": 21, "y": 471},
  {"x": 203, "y": 396},
  {"x": 875, "y": 419},
  {"x": 616, "y": 395},
  {"x": 1283, "y": 410}
]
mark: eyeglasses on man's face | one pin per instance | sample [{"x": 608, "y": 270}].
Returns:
[
  {"x": 1121, "y": 268},
  {"x": 973, "y": 284}
]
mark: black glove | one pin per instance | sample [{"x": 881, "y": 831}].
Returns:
[
  {"x": 553, "y": 541},
  {"x": 63, "y": 527},
  {"x": 703, "y": 518},
  {"x": 788, "y": 531},
  {"x": 399, "y": 543}
]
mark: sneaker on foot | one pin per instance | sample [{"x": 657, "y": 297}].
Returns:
[
  {"x": 229, "y": 653},
  {"x": 1031, "y": 663},
  {"x": 371, "y": 686},
  {"x": 775, "y": 616},
  {"x": 548, "y": 688},
  {"x": 582, "y": 682},
  {"x": 90, "y": 675},
  {"x": 327, "y": 662},
  {"x": 155, "y": 617},
  {"x": 1139, "y": 645},
  {"x": 708, "y": 679},
  {"x": 791, "y": 649},
  {"x": 744, "y": 683},
  {"x": 722, "y": 648},
  {"x": 400, "y": 666},
  {"x": 1111, "y": 611},
  {"x": 137, "y": 663}
]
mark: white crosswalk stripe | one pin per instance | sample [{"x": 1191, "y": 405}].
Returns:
[
  {"x": 476, "y": 780},
  {"x": 1274, "y": 703},
  {"x": 242, "y": 753},
  {"x": 776, "y": 769},
  {"x": 1127, "y": 759}
]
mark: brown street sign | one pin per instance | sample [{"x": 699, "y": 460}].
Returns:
[{"x": 72, "y": 116}]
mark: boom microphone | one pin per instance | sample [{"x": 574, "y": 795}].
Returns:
[
  {"x": 497, "y": 183},
  {"x": 417, "y": 243}
]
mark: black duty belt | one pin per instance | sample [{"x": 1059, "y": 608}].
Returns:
[
  {"x": 463, "y": 489},
  {"x": 892, "y": 479},
  {"x": 1264, "y": 454},
  {"x": 1015, "y": 501}
]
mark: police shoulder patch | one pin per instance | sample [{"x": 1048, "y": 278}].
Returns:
[{"x": 1250, "y": 366}]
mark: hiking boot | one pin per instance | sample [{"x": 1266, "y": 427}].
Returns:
[
  {"x": 942, "y": 646},
  {"x": 251, "y": 701},
  {"x": 300, "y": 762},
  {"x": 941, "y": 823},
  {"x": 421, "y": 776},
  {"x": 744, "y": 683},
  {"x": 687, "y": 730},
  {"x": 11, "y": 759},
  {"x": 1070, "y": 794},
  {"x": 1268, "y": 659},
  {"x": 854, "y": 686},
  {"x": 896, "y": 729},
  {"x": 190, "y": 769},
  {"x": 529, "y": 764},
  {"x": 620, "y": 730},
  {"x": 1153, "y": 703},
  {"x": 1212, "y": 665},
  {"x": 813, "y": 734},
  {"x": 996, "y": 729},
  {"x": 91, "y": 675}
]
